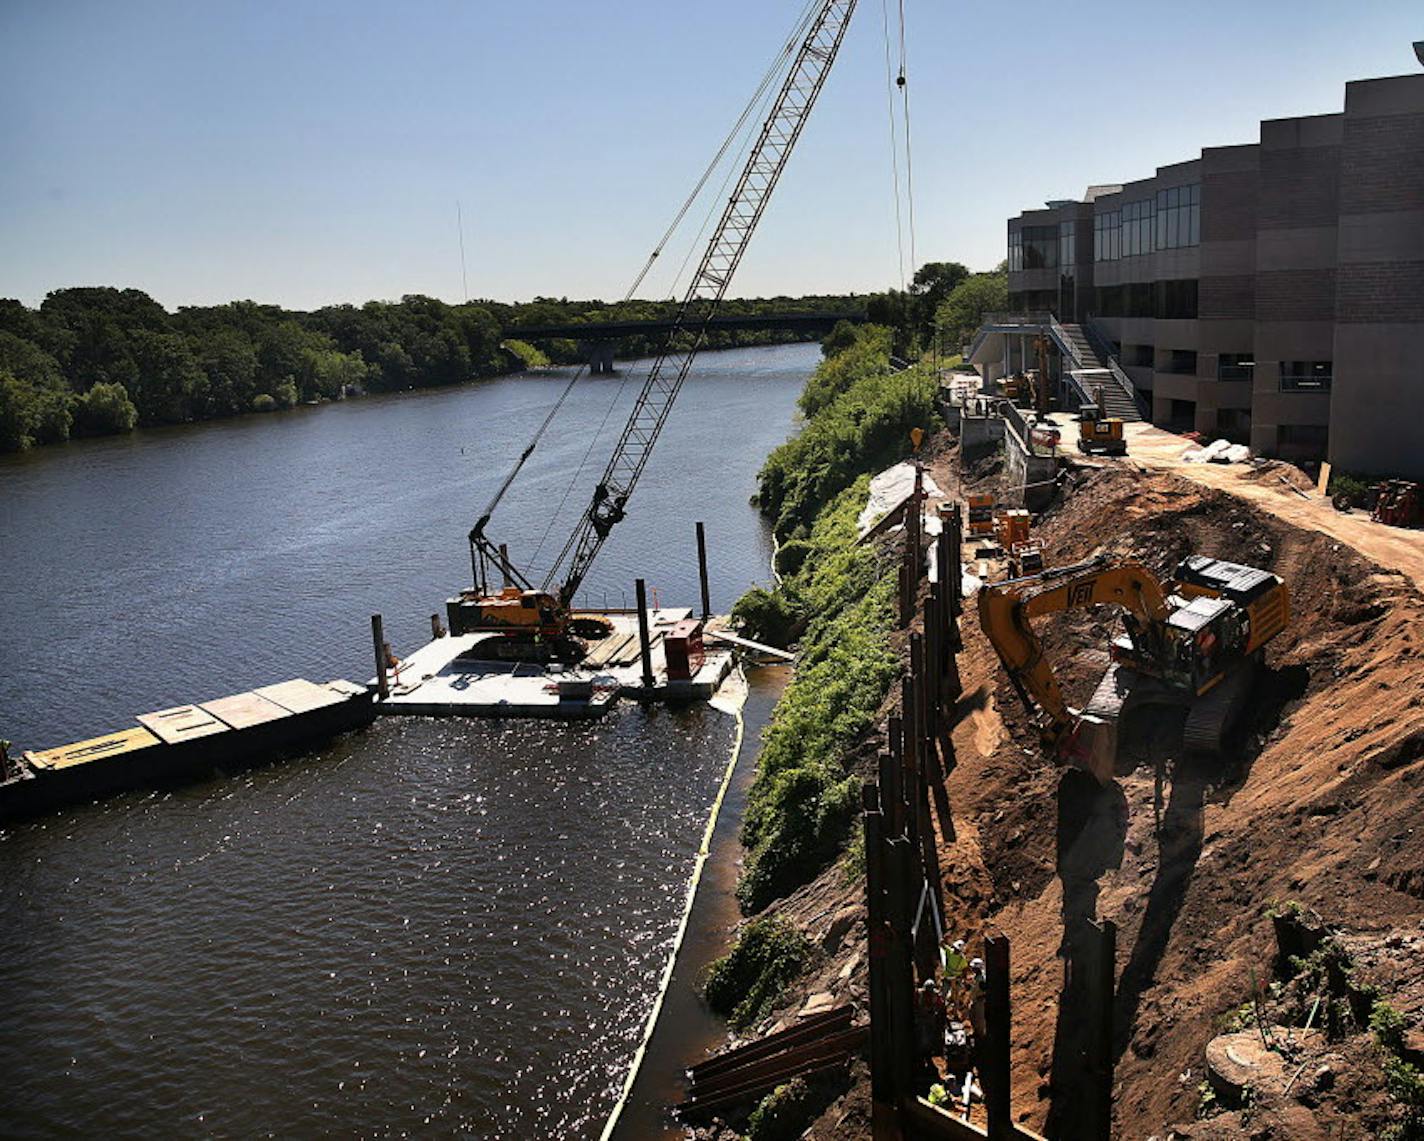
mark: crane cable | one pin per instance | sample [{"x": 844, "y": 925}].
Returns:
[
  {"x": 771, "y": 72},
  {"x": 904, "y": 82},
  {"x": 894, "y": 139},
  {"x": 759, "y": 100}
]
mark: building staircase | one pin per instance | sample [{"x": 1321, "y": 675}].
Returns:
[{"x": 1116, "y": 400}]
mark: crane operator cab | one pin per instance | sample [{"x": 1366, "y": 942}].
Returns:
[{"x": 511, "y": 611}]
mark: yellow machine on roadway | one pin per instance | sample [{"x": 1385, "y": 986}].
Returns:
[
  {"x": 1196, "y": 641},
  {"x": 1099, "y": 434}
]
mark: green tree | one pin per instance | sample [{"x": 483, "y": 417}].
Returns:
[
  {"x": 964, "y": 309},
  {"x": 229, "y": 362},
  {"x": 896, "y": 311},
  {"x": 49, "y": 402},
  {"x": 104, "y": 410},
  {"x": 55, "y": 415},
  {"x": 25, "y": 360},
  {"x": 933, "y": 283},
  {"x": 838, "y": 339},
  {"x": 19, "y": 413},
  {"x": 169, "y": 385},
  {"x": 327, "y": 372}
]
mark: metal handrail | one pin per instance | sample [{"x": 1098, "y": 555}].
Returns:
[
  {"x": 1025, "y": 317},
  {"x": 1100, "y": 343}
]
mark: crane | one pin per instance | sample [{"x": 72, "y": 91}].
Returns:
[{"x": 542, "y": 615}]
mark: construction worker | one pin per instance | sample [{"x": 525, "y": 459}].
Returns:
[
  {"x": 974, "y": 998},
  {"x": 952, "y": 961},
  {"x": 929, "y": 1025}
]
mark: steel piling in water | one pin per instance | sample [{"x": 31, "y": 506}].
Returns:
[
  {"x": 378, "y": 637},
  {"x": 702, "y": 571},
  {"x": 645, "y": 647}
]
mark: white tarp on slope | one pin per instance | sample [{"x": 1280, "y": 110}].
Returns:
[
  {"x": 888, "y": 490},
  {"x": 1217, "y": 452}
]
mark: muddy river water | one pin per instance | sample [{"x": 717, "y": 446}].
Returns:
[{"x": 432, "y": 926}]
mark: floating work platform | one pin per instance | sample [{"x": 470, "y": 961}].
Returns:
[
  {"x": 462, "y": 675},
  {"x": 186, "y": 740}
]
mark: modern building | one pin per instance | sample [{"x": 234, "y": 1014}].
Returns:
[{"x": 1271, "y": 292}]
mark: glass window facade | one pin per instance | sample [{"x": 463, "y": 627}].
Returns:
[
  {"x": 1067, "y": 246},
  {"x": 1033, "y": 247},
  {"x": 1040, "y": 247},
  {"x": 1107, "y": 236},
  {"x": 1178, "y": 217},
  {"x": 1176, "y": 300},
  {"x": 1306, "y": 376},
  {"x": 1137, "y": 228}
]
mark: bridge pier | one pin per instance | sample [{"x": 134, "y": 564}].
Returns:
[{"x": 599, "y": 355}]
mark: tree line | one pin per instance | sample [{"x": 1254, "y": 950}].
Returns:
[
  {"x": 944, "y": 303},
  {"x": 101, "y": 360}
]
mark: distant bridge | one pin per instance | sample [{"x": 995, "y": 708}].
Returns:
[{"x": 596, "y": 338}]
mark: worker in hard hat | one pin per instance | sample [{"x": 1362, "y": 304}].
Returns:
[
  {"x": 974, "y": 993},
  {"x": 952, "y": 960}
]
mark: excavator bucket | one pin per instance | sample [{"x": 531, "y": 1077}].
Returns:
[{"x": 1092, "y": 746}]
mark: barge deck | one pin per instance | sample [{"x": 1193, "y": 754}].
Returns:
[
  {"x": 460, "y": 675},
  {"x": 185, "y": 741}
]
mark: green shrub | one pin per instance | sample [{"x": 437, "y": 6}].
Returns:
[
  {"x": 285, "y": 394},
  {"x": 791, "y": 556},
  {"x": 745, "y": 983},
  {"x": 783, "y": 1114},
  {"x": 1356, "y": 487},
  {"x": 1389, "y": 1026},
  {"x": 263, "y": 402},
  {"x": 767, "y": 616},
  {"x": 1405, "y": 1085},
  {"x": 859, "y": 417},
  {"x": 840, "y": 338},
  {"x": 527, "y": 354},
  {"x": 865, "y": 352},
  {"x": 803, "y": 801}
]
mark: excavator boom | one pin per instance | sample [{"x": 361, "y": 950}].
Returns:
[
  {"x": 1005, "y": 610},
  {"x": 1195, "y": 642}
]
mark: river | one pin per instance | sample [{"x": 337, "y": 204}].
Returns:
[{"x": 432, "y": 926}]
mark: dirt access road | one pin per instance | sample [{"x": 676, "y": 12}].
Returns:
[{"x": 1391, "y": 547}]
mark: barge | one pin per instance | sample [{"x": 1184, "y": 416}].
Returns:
[{"x": 185, "y": 741}]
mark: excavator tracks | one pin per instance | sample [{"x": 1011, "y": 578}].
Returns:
[{"x": 1216, "y": 713}]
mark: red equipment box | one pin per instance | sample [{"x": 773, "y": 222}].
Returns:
[{"x": 683, "y": 649}]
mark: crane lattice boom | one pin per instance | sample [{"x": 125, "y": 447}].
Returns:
[{"x": 704, "y": 294}]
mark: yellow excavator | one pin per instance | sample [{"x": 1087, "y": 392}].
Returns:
[{"x": 1196, "y": 641}]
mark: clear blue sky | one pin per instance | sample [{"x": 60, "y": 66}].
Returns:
[{"x": 305, "y": 152}]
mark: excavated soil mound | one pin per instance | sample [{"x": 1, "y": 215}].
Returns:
[{"x": 1316, "y": 802}]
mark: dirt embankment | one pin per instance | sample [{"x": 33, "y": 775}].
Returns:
[{"x": 1318, "y": 803}]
